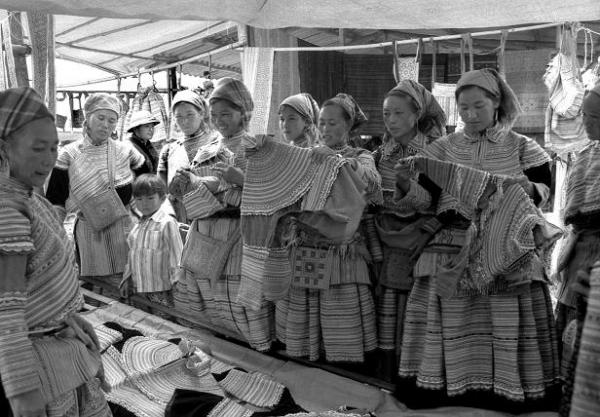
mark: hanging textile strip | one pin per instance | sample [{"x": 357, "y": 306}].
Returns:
[
  {"x": 463, "y": 65},
  {"x": 7, "y": 43},
  {"x": 501, "y": 58},
  {"x": 434, "y": 48}
]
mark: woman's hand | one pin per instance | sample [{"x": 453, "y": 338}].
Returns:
[
  {"x": 82, "y": 330},
  {"x": 180, "y": 182},
  {"x": 212, "y": 183},
  {"x": 231, "y": 174},
  {"x": 404, "y": 174},
  {"x": 28, "y": 404},
  {"x": 320, "y": 153}
]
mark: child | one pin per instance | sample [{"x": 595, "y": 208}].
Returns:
[{"x": 155, "y": 245}]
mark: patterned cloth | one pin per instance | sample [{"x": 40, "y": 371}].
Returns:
[
  {"x": 19, "y": 106},
  {"x": 188, "y": 96},
  {"x": 155, "y": 248},
  {"x": 431, "y": 120},
  {"x": 583, "y": 184},
  {"x": 41, "y": 300},
  {"x": 586, "y": 392}
]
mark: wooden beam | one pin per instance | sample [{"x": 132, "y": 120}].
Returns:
[
  {"x": 86, "y": 23},
  {"x": 102, "y": 51},
  {"x": 16, "y": 31},
  {"x": 110, "y": 32}
]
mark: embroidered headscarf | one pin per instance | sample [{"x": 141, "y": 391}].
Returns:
[
  {"x": 18, "y": 107},
  {"x": 306, "y": 106},
  {"x": 236, "y": 93},
  {"x": 491, "y": 81},
  {"x": 431, "y": 120},
  {"x": 351, "y": 107},
  {"x": 189, "y": 96},
  {"x": 101, "y": 101}
]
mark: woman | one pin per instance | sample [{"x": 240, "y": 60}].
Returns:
[
  {"x": 298, "y": 116},
  {"x": 49, "y": 354},
  {"x": 337, "y": 319},
  {"x": 212, "y": 192},
  {"x": 141, "y": 127},
  {"x": 93, "y": 177},
  {"x": 582, "y": 214},
  {"x": 190, "y": 112},
  {"x": 412, "y": 118},
  {"x": 504, "y": 352}
]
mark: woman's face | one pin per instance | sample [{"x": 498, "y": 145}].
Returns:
[
  {"x": 476, "y": 109},
  {"x": 145, "y": 131},
  {"x": 399, "y": 117},
  {"x": 188, "y": 117},
  {"x": 101, "y": 124},
  {"x": 227, "y": 119},
  {"x": 291, "y": 123},
  {"x": 333, "y": 125},
  {"x": 32, "y": 152}
]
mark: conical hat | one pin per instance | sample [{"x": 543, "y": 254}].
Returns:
[{"x": 140, "y": 118}]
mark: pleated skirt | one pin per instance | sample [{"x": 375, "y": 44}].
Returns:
[
  {"x": 339, "y": 322},
  {"x": 505, "y": 344},
  {"x": 216, "y": 302}
]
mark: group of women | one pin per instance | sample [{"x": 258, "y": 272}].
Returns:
[{"x": 401, "y": 290}]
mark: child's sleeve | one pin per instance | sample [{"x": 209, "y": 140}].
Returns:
[{"x": 172, "y": 241}]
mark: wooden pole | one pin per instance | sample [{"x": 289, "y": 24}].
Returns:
[{"x": 20, "y": 51}]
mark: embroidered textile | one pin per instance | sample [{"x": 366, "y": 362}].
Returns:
[
  {"x": 101, "y": 101},
  {"x": 583, "y": 184},
  {"x": 19, "y": 106}
]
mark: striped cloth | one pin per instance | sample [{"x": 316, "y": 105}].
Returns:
[
  {"x": 583, "y": 184},
  {"x": 586, "y": 392},
  {"x": 155, "y": 248},
  {"x": 50, "y": 290},
  {"x": 19, "y": 106}
]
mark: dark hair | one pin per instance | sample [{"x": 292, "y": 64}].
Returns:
[
  {"x": 331, "y": 102},
  {"x": 149, "y": 184}
]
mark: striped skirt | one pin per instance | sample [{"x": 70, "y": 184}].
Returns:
[
  {"x": 104, "y": 252},
  {"x": 504, "y": 343},
  {"x": 339, "y": 321},
  {"x": 217, "y": 302}
]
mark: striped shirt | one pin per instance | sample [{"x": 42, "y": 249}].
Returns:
[{"x": 155, "y": 248}]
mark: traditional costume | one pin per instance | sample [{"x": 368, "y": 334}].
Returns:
[{"x": 492, "y": 340}]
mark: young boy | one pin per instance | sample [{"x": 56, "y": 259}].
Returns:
[{"x": 155, "y": 245}]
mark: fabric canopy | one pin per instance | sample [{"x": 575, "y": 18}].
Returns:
[{"x": 376, "y": 14}]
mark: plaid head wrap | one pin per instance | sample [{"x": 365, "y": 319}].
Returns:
[
  {"x": 350, "y": 106},
  {"x": 101, "y": 101},
  {"x": 18, "y": 107},
  {"x": 490, "y": 80},
  {"x": 430, "y": 115},
  {"x": 189, "y": 96},
  {"x": 235, "y": 92}
]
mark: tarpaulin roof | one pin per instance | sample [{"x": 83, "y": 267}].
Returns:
[{"x": 377, "y": 14}]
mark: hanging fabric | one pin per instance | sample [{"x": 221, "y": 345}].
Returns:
[
  {"x": 257, "y": 72},
  {"x": 7, "y": 69},
  {"x": 407, "y": 68},
  {"x": 396, "y": 64},
  {"x": 564, "y": 130},
  {"x": 41, "y": 33},
  {"x": 77, "y": 114},
  {"x": 463, "y": 65},
  {"x": 468, "y": 41},
  {"x": 433, "y": 62}
]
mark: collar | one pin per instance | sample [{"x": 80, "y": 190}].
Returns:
[
  {"x": 493, "y": 134},
  {"x": 416, "y": 144},
  {"x": 199, "y": 133},
  {"x": 15, "y": 186},
  {"x": 158, "y": 216}
]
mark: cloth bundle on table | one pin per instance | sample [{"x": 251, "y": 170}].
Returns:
[{"x": 300, "y": 248}]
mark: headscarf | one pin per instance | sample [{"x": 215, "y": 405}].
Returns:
[
  {"x": 306, "y": 106},
  {"x": 431, "y": 120},
  {"x": 490, "y": 80},
  {"x": 235, "y": 92},
  {"x": 350, "y": 106},
  {"x": 18, "y": 107},
  {"x": 189, "y": 96},
  {"x": 591, "y": 102},
  {"x": 101, "y": 101}
]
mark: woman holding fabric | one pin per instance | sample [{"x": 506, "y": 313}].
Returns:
[
  {"x": 337, "y": 317},
  {"x": 211, "y": 193},
  {"x": 413, "y": 118},
  {"x": 298, "y": 116},
  {"x": 49, "y": 355},
  {"x": 492, "y": 348},
  {"x": 190, "y": 112},
  {"x": 93, "y": 176},
  {"x": 582, "y": 214}
]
